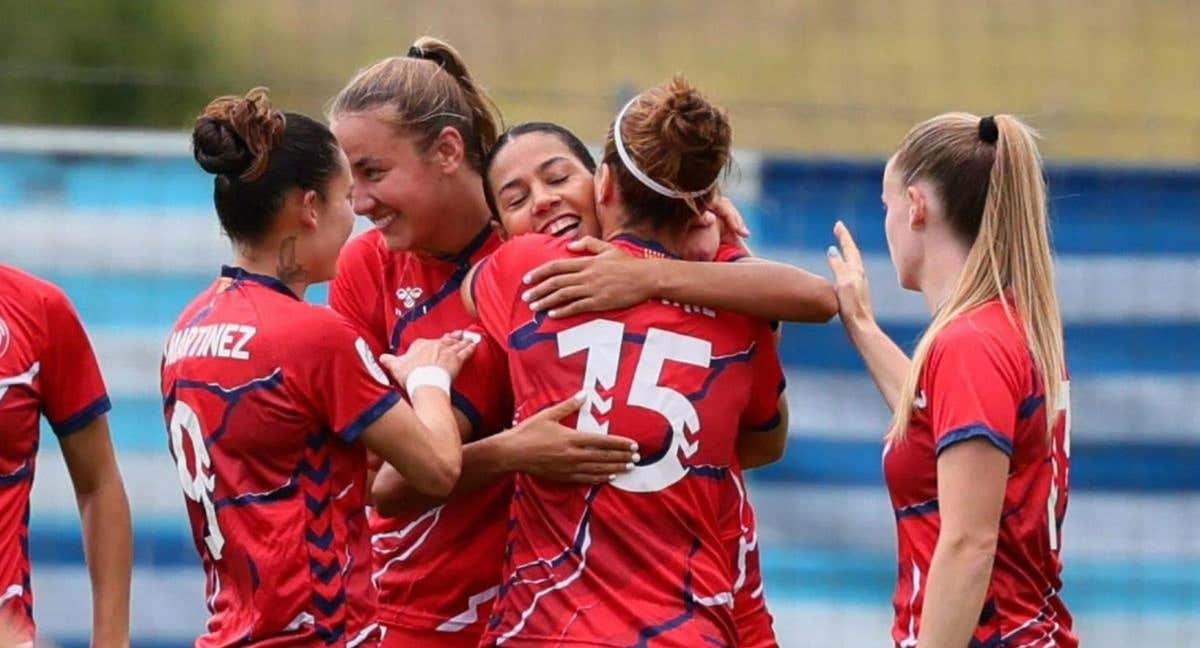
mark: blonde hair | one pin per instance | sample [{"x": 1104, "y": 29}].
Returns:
[
  {"x": 429, "y": 89},
  {"x": 994, "y": 195}
]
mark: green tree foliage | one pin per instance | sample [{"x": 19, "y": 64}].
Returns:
[{"x": 103, "y": 62}]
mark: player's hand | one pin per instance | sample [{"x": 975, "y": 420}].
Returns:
[
  {"x": 733, "y": 225},
  {"x": 850, "y": 281},
  {"x": 545, "y": 448},
  {"x": 610, "y": 279},
  {"x": 450, "y": 353}
]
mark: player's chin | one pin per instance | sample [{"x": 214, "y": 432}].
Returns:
[{"x": 398, "y": 239}]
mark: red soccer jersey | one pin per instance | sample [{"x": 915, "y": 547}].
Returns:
[
  {"x": 438, "y": 571},
  {"x": 264, "y": 397},
  {"x": 750, "y": 613},
  {"x": 46, "y": 366},
  {"x": 979, "y": 382},
  {"x": 645, "y": 558}
]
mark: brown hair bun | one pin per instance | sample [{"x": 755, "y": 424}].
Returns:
[{"x": 234, "y": 135}]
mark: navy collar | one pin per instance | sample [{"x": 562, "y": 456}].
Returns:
[
  {"x": 646, "y": 244},
  {"x": 463, "y": 257},
  {"x": 238, "y": 274}
]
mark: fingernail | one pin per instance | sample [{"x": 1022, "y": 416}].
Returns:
[
  {"x": 553, "y": 314},
  {"x": 636, "y": 457},
  {"x": 525, "y": 296},
  {"x": 633, "y": 447},
  {"x": 534, "y": 306},
  {"x": 611, "y": 477},
  {"x": 628, "y": 466},
  {"x": 832, "y": 252},
  {"x": 580, "y": 396},
  {"x": 527, "y": 279}
]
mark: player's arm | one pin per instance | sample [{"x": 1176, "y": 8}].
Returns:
[
  {"x": 423, "y": 442},
  {"x": 759, "y": 447},
  {"x": 974, "y": 387},
  {"x": 971, "y": 477},
  {"x": 539, "y": 446},
  {"x": 612, "y": 279},
  {"x": 107, "y": 535},
  {"x": 886, "y": 362}
]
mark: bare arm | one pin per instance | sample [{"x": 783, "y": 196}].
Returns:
[
  {"x": 423, "y": 442},
  {"x": 107, "y": 534},
  {"x": 886, "y": 362},
  {"x": 612, "y": 280},
  {"x": 971, "y": 477},
  {"x": 758, "y": 448},
  {"x": 539, "y": 446}
]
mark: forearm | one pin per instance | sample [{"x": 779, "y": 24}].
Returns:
[
  {"x": 758, "y": 448},
  {"x": 954, "y": 594},
  {"x": 107, "y": 541},
  {"x": 885, "y": 360},
  {"x": 483, "y": 462},
  {"x": 760, "y": 289}
]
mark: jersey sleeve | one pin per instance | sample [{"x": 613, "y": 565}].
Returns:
[
  {"x": 338, "y": 376},
  {"x": 971, "y": 386},
  {"x": 728, "y": 253},
  {"x": 762, "y": 412},
  {"x": 482, "y": 390},
  {"x": 356, "y": 292},
  {"x": 73, "y": 392}
]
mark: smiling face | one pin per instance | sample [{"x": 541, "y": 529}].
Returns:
[
  {"x": 395, "y": 185},
  {"x": 540, "y": 186}
]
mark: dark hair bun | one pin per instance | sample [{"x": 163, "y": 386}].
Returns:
[{"x": 234, "y": 136}]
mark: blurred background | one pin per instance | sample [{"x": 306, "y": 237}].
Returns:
[{"x": 99, "y": 194}]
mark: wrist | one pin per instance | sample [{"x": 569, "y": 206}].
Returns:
[
  {"x": 861, "y": 327},
  {"x": 427, "y": 376},
  {"x": 507, "y": 451}
]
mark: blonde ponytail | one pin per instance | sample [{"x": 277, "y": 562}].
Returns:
[{"x": 1010, "y": 247}]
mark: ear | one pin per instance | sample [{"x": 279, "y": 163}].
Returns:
[
  {"x": 498, "y": 228},
  {"x": 918, "y": 207},
  {"x": 309, "y": 206},
  {"x": 605, "y": 184},
  {"x": 449, "y": 150}
]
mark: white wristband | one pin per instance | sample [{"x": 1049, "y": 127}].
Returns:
[{"x": 427, "y": 376}]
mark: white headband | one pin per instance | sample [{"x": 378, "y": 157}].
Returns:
[{"x": 627, "y": 159}]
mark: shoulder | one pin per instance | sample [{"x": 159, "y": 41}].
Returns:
[
  {"x": 986, "y": 333},
  {"x": 526, "y": 252},
  {"x": 303, "y": 326},
  {"x": 31, "y": 287},
  {"x": 728, "y": 253},
  {"x": 365, "y": 250}
]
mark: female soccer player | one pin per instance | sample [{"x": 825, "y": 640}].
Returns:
[
  {"x": 47, "y": 366},
  {"x": 265, "y": 395},
  {"x": 645, "y": 556},
  {"x": 977, "y": 457},
  {"x": 416, "y": 130},
  {"x": 539, "y": 178}
]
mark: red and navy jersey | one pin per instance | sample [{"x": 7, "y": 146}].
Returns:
[
  {"x": 753, "y": 620},
  {"x": 750, "y": 614},
  {"x": 979, "y": 382},
  {"x": 437, "y": 571},
  {"x": 264, "y": 397},
  {"x": 646, "y": 557},
  {"x": 46, "y": 367}
]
